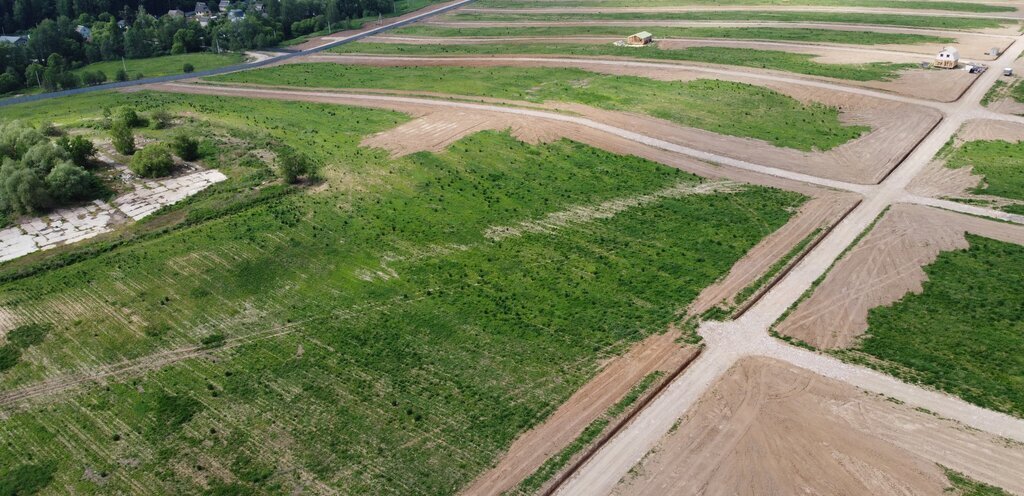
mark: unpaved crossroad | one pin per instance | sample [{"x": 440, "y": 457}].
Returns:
[{"x": 748, "y": 336}]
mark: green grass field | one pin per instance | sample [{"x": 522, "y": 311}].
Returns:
[
  {"x": 963, "y": 335},
  {"x": 799, "y": 63},
  {"x": 809, "y": 35},
  {"x": 998, "y": 161},
  {"x": 915, "y": 21},
  {"x": 164, "y": 66},
  {"x": 724, "y": 107},
  {"x": 364, "y": 336},
  {"x": 901, "y": 4}
]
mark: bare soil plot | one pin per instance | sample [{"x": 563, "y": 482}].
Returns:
[
  {"x": 896, "y": 127},
  {"x": 768, "y": 427},
  {"x": 529, "y": 451},
  {"x": 883, "y": 267},
  {"x": 817, "y": 213},
  {"x": 972, "y": 45}
]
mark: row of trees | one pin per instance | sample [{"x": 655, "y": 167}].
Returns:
[{"x": 146, "y": 35}]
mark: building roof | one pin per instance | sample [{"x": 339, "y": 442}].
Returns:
[
  {"x": 14, "y": 40},
  {"x": 644, "y": 34}
]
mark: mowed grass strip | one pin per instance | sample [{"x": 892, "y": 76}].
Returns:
[
  {"x": 374, "y": 339},
  {"x": 914, "y": 21},
  {"x": 799, "y": 63},
  {"x": 163, "y": 66},
  {"x": 804, "y": 35},
  {"x": 964, "y": 333},
  {"x": 724, "y": 107},
  {"x": 894, "y": 4},
  {"x": 998, "y": 161}
]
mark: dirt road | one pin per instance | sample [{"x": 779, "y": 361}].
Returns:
[{"x": 728, "y": 342}]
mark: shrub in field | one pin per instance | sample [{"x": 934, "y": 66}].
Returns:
[
  {"x": 120, "y": 75},
  {"x": 28, "y": 335},
  {"x": 27, "y": 479},
  {"x": 9, "y": 356},
  {"x": 80, "y": 149},
  {"x": 22, "y": 191},
  {"x": 185, "y": 146},
  {"x": 68, "y": 182},
  {"x": 173, "y": 411},
  {"x": 129, "y": 117},
  {"x": 152, "y": 161},
  {"x": 293, "y": 165},
  {"x": 187, "y": 68},
  {"x": 160, "y": 119},
  {"x": 16, "y": 138},
  {"x": 122, "y": 138}
]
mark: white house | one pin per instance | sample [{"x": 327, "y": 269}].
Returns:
[
  {"x": 948, "y": 58},
  {"x": 84, "y": 31}
]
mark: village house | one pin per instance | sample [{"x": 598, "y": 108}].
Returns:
[
  {"x": 202, "y": 9},
  {"x": 84, "y": 31},
  {"x": 14, "y": 40},
  {"x": 948, "y": 58},
  {"x": 640, "y": 39},
  {"x": 224, "y": 5},
  {"x": 175, "y": 13}
]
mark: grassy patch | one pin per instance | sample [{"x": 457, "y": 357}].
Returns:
[
  {"x": 26, "y": 479},
  {"x": 965, "y": 486},
  {"x": 998, "y": 161},
  {"x": 800, "y": 63},
  {"x": 724, "y": 107},
  {"x": 365, "y": 322},
  {"x": 963, "y": 335},
  {"x": 916, "y": 21},
  {"x": 556, "y": 463},
  {"x": 998, "y": 89},
  {"x": 759, "y": 33},
  {"x": 900, "y": 4},
  {"x": 401, "y": 7},
  {"x": 164, "y": 66}
]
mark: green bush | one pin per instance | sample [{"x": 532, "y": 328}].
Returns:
[
  {"x": 160, "y": 119},
  {"x": 80, "y": 149},
  {"x": 28, "y": 335},
  {"x": 152, "y": 161},
  {"x": 9, "y": 356},
  {"x": 187, "y": 68},
  {"x": 120, "y": 75},
  {"x": 185, "y": 146},
  {"x": 129, "y": 117},
  {"x": 22, "y": 191},
  {"x": 68, "y": 182},
  {"x": 122, "y": 138},
  {"x": 293, "y": 165},
  {"x": 27, "y": 479}
]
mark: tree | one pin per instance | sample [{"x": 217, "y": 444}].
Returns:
[
  {"x": 21, "y": 190},
  {"x": 152, "y": 161},
  {"x": 292, "y": 165},
  {"x": 160, "y": 119},
  {"x": 34, "y": 75},
  {"x": 122, "y": 138},
  {"x": 68, "y": 182},
  {"x": 43, "y": 157},
  {"x": 187, "y": 68},
  {"x": 16, "y": 138},
  {"x": 128, "y": 116},
  {"x": 79, "y": 149},
  {"x": 120, "y": 75},
  {"x": 185, "y": 147}
]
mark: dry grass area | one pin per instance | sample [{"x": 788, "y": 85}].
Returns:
[
  {"x": 768, "y": 427},
  {"x": 883, "y": 267}
]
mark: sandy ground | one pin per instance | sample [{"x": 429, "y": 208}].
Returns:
[
  {"x": 896, "y": 127},
  {"x": 534, "y": 447},
  {"x": 768, "y": 427},
  {"x": 883, "y": 267},
  {"x": 819, "y": 212},
  {"x": 972, "y": 45}
]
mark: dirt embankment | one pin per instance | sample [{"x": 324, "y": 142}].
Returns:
[
  {"x": 322, "y": 40},
  {"x": 534, "y": 447},
  {"x": 887, "y": 264},
  {"x": 769, "y": 427},
  {"x": 817, "y": 213}
]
